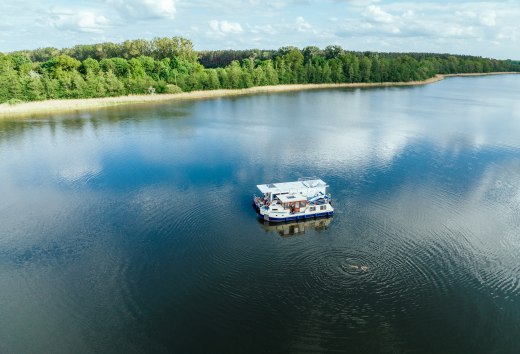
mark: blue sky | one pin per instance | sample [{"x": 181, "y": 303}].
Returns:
[{"x": 485, "y": 28}]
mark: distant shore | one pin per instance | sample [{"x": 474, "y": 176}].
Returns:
[{"x": 68, "y": 105}]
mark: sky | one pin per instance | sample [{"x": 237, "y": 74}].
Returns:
[{"x": 482, "y": 28}]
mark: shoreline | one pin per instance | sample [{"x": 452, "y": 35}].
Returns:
[{"x": 70, "y": 105}]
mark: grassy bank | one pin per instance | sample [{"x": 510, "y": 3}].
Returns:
[{"x": 52, "y": 106}]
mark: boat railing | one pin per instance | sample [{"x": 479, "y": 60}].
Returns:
[{"x": 259, "y": 201}]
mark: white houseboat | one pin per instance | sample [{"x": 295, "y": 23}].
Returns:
[{"x": 303, "y": 199}]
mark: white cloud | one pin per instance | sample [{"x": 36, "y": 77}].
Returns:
[
  {"x": 144, "y": 9},
  {"x": 77, "y": 21},
  {"x": 223, "y": 28},
  {"x": 509, "y": 33},
  {"x": 230, "y": 27},
  {"x": 265, "y": 29},
  {"x": 375, "y": 13},
  {"x": 458, "y": 31},
  {"x": 488, "y": 19},
  {"x": 302, "y": 25},
  {"x": 460, "y": 28}
]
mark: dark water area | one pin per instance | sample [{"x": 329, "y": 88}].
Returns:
[{"x": 130, "y": 229}]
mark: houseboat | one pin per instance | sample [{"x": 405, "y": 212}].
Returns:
[{"x": 299, "y": 200}]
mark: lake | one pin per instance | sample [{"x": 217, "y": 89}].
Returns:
[{"x": 130, "y": 229}]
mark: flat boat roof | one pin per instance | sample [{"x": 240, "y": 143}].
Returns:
[
  {"x": 291, "y": 198},
  {"x": 286, "y": 187}
]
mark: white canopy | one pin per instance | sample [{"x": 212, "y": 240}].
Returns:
[
  {"x": 291, "y": 198},
  {"x": 306, "y": 187}
]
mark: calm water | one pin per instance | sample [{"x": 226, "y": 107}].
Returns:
[{"x": 131, "y": 229}]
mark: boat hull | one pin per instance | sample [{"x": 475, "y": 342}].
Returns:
[{"x": 293, "y": 217}]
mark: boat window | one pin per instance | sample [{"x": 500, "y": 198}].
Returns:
[
  {"x": 322, "y": 207},
  {"x": 313, "y": 208}
]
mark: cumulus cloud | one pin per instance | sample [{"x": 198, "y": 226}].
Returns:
[
  {"x": 452, "y": 22},
  {"x": 223, "y": 28},
  {"x": 488, "y": 19},
  {"x": 375, "y": 13},
  {"x": 144, "y": 9},
  {"x": 302, "y": 25},
  {"x": 458, "y": 31},
  {"x": 509, "y": 33},
  {"x": 264, "y": 29},
  {"x": 77, "y": 21}
]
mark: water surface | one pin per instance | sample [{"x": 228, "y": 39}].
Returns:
[{"x": 130, "y": 229}]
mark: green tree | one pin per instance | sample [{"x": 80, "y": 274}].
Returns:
[
  {"x": 60, "y": 64},
  {"x": 333, "y": 51},
  {"x": 148, "y": 64},
  {"x": 270, "y": 72},
  {"x": 113, "y": 86},
  {"x": 326, "y": 75},
  {"x": 107, "y": 65},
  {"x": 21, "y": 61},
  {"x": 213, "y": 80},
  {"x": 351, "y": 69},
  {"x": 121, "y": 67},
  {"x": 41, "y": 55},
  {"x": 234, "y": 75},
  {"x": 223, "y": 77},
  {"x": 365, "y": 66},
  {"x": 136, "y": 68},
  {"x": 90, "y": 66},
  {"x": 336, "y": 68},
  {"x": 95, "y": 85},
  {"x": 10, "y": 86},
  {"x": 33, "y": 89},
  {"x": 51, "y": 87},
  {"x": 293, "y": 66},
  {"x": 375, "y": 72},
  {"x": 259, "y": 76},
  {"x": 310, "y": 52}
]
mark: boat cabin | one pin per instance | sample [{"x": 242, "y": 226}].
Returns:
[{"x": 293, "y": 202}]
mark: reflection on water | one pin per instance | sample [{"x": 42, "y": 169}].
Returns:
[
  {"x": 101, "y": 118},
  {"x": 130, "y": 228},
  {"x": 295, "y": 228}
]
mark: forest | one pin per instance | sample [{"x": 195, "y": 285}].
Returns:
[{"x": 171, "y": 65}]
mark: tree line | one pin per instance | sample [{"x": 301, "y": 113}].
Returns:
[{"x": 171, "y": 65}]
